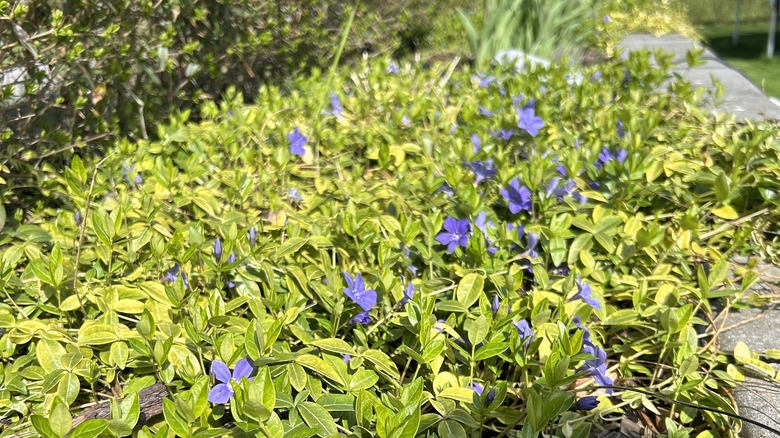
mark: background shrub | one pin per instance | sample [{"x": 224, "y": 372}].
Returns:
[{"x": 78, "y": 75}]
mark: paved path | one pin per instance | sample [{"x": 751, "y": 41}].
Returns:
[
  {"x": 742, "y": 97},
  {"x": 759, "y": 328}
]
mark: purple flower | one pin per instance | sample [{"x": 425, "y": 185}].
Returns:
[
  {"x": 335, "y": 107},
  {"x": 491, "y": 395},
  {"x": 552, "y": 185},
  {"x": 297, "y": 142},
  {"x": 357, "y": 292},
  {"x": 392, "y": 69},
  {"x": 361, "y": 318},
  {"x": 495, "y": 305},
  {"x": 483, "y": 80},
  {"x": 453, "y": 128},
  {"x": 408, "y": 293},
  {"x": 485, "y": 112},
  {"x": 408, "y": 258},
  {"x": 477, "y": 143},
  {"x": 347, "y": 358},
  {"x": 503, "y": 134},
  {"x": 519, "y": 198},
  {"x": 78, "y": 217},
  {"x": 533, "y": 240},
  {"x": 222, "y": 392},
  {"x": 606, "y": 19},
  {"x": 481, "y": 223},
  {"x": 128, "y": 170},
  {"x": 447, "y": 189},
  {"x": 173, "y": 274},
  {"x": 457, "y": 234},
  {"x": 603, "y": 157},
  {"x": 516, "y": 102},
  {"x": 476, "y": 387},
  {"x": 294, "y": 194},
  {"x": 597, "y": 367},
  {"x": 621, "y": 156},
  {"x": 405, "y": 120},
  {"x": 584, "y": 293},
  {"x": 524, "y": 331},
  {"x": 252, "y": 236},
  {"x": 217, "y": 249},
  {"x": 482, "y": 169},
  {"x": 529, "y": 121},
  {"x": 562, "y": 170},
  {"x": 586, "y": 334},
  {"x": 569, "y": 189},
  {"x": 596, "y": 76},
  {"x": 585, "y": 403},
  {"x": 621, "y": 132},
  {"x": 231, "y": 257}
]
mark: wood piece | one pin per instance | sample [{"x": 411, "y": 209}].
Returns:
[{"x": 150, "y": 401}]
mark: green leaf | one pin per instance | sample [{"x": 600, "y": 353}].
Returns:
[
  {"x": 722, "y": 187},
  {"x": 119, "y": 354},
  {"x": 173, "y": 420},
  {"x": 318, "y": 365},
  {"x": 97, "y": 334},
  {"x": 41, "y": 425},
  {"x": 317, "y": 417},
  {"x": 89, "y": 429},
  {"x": 725, "y": 212},
  {"x": 49, "y": 353},
  {"x": 478, "y": 330},
  {"x": 298, "y": 376},
  {"x": 334, "y": 345},
  {"x": 60, "y": 420},
  {"x": 291, "y": 246},
  {"x": 470, "y": 288},
  {"x": 337, "y": 402},
  {"x": 267, "y": 390},
  {"x": 363, "y": 379},
  {"x": 2, "y": 217},
  {"x": 130, "y": 410},
  {"x": 558, "y": 250},
  {"x": 451, "y": 429},
  {"x": 489, "y": 350},
  {"x": 383, "y": 363},
  {"x": 433, "y": 350},
  {"x": 409, "y": 423},
  {"x": 68, "y": 387}
]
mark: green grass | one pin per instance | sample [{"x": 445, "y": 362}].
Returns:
[
  {"x": 714, "y": 12},
  {"x": 749, "y": 55}
]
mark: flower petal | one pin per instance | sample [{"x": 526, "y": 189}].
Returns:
[
  {"x": 220, "y": 371},
  {"x": 348, "y": 279},
  {"x": 243, "y": 369},
  {"x": 220, "y": 394}
]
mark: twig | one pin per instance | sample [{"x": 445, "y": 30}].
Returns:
[
  {"x": 75, "y": 145},
  {"x": 730, "y": 224},
  {"x": 82, "y": 229}
]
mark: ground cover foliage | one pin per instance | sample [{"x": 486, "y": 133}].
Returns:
[{"x": 393, "y": 252}]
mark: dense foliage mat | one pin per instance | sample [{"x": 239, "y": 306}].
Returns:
[{"x": 396, "y": 252}]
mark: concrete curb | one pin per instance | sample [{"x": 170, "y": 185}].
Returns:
[{"x": 742, "y": 98}]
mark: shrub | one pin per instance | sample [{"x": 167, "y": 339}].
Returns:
[{"x": 398, "y": 264}]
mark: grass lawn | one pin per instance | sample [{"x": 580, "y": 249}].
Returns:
[{"x": 749, "y": 55}]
